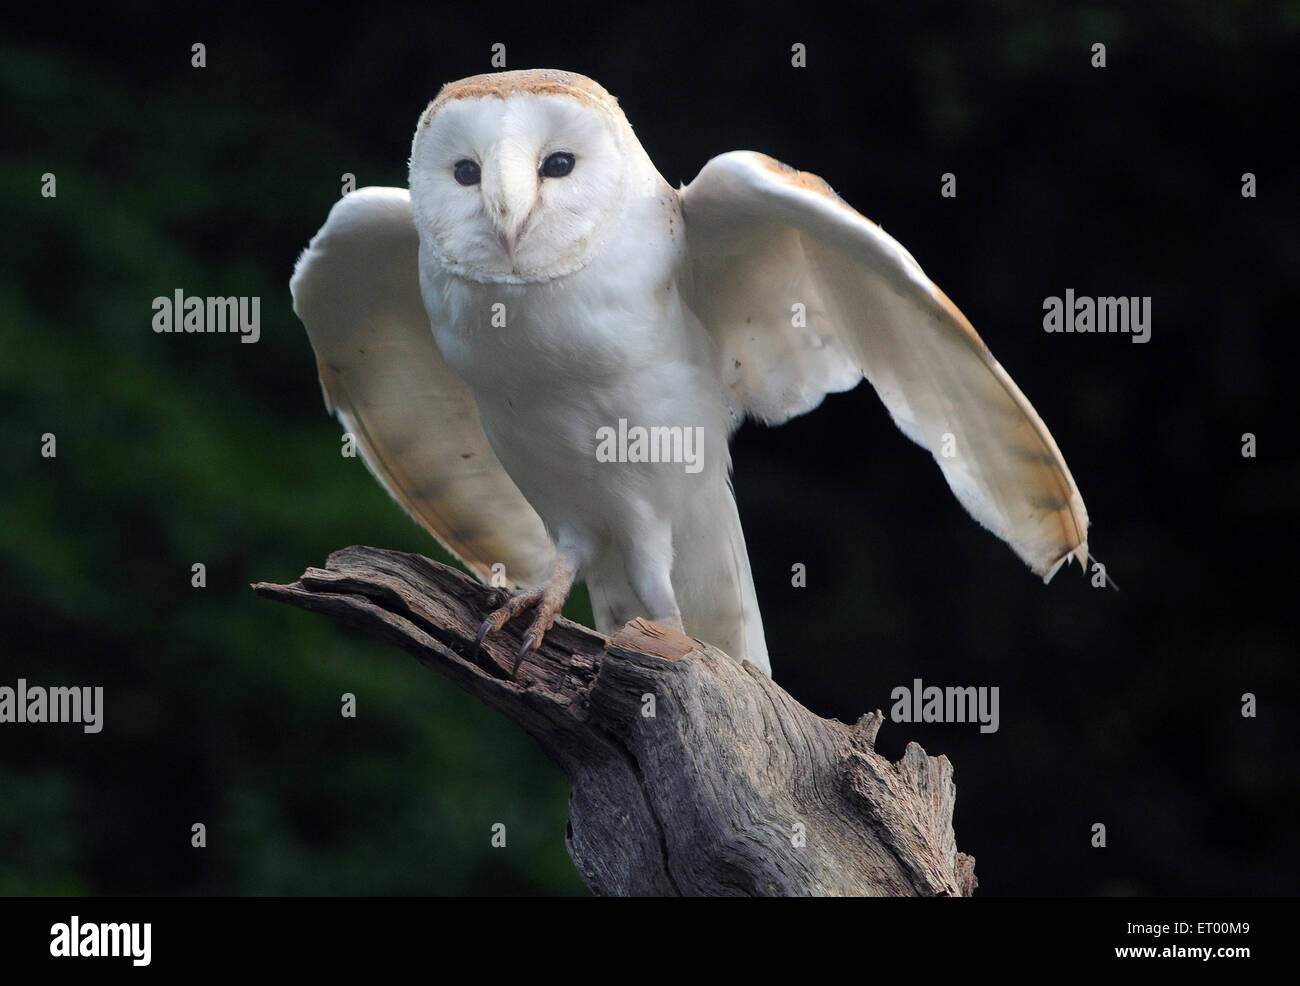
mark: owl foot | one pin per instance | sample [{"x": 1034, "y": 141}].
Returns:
[{"x": 547, "y": 598}]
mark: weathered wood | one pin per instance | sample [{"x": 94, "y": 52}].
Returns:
[{"x": 690, "y": 774}]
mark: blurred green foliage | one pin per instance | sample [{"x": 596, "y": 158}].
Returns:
[{"x": 171, "y": 450}]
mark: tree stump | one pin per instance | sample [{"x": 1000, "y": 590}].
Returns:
[{"x": 690, "y": 774}]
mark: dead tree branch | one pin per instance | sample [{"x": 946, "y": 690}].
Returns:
[{"x": 690, "y": 774}]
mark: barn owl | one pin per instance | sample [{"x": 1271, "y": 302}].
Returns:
[{"x": 543, "y": 348}]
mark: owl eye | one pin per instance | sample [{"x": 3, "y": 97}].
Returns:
[
  {"x": 557, "y": 165},
  {"x": 467, "y": 173}
]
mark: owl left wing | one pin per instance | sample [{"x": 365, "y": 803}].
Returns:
[
  {"x": 357, "y": 290},
  {"x": 804, "y": 297}
]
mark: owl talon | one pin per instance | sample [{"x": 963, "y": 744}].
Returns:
[
  {"x": 548, "y": 598},
  {"x": 483, "y": 631},
  {"x": 530, "y": 644}
]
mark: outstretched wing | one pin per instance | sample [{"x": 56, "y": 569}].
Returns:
[
  {"x": 357, "y": 290},
  {"x": 804, "y": 297}
]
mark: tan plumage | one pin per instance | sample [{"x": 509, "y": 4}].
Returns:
[{"x": 536, "y": 82}]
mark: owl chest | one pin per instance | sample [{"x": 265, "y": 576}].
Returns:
[
  {"x": 531, "y": 346},
  {"x": 552, "y": 365}
]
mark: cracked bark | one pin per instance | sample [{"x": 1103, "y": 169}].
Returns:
[{"x": 689, "y": 773}]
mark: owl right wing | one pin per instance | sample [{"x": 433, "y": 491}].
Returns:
[
  {"x": 804, "y": 296},
  {"x": 357, "y": 290}
]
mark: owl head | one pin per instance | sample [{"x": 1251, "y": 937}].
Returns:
[{"x": 519, "y": 176}]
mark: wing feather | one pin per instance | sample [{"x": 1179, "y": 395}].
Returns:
[{"x": 804, "y": 297}]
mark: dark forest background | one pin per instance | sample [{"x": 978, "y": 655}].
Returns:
[{"x": 1116, "y": 707}]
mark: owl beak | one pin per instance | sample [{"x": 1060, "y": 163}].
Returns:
[
  {"x": 510, "y": 188},
  {"x": 511, "y": 221}
]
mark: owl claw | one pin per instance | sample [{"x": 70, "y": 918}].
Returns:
[
  {"x": 530, "y": 643},
  {"x": 483, "y": 631},
  {"x": 548, "y": 598}
]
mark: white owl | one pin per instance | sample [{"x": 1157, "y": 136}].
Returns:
[{"x": 542, "y": 288}]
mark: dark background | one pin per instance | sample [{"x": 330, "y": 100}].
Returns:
[{"x": 1116, "y": 707}]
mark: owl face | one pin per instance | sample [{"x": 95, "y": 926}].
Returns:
[{"x": 516, "y": 188}]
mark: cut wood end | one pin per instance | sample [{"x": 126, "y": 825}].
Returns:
[{"x": 654, "y": 639}]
